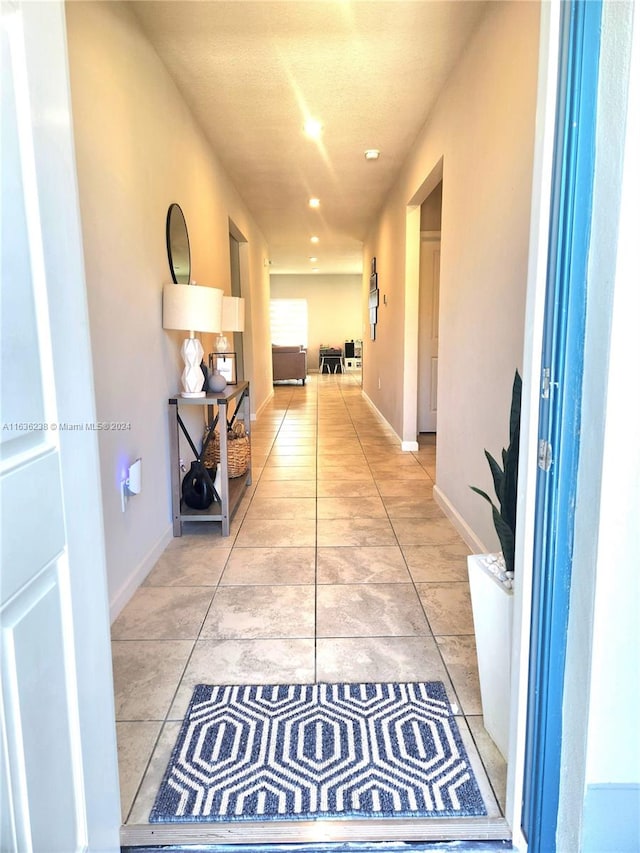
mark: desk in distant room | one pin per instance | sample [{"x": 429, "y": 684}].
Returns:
[{"x": 331, "y": 360}]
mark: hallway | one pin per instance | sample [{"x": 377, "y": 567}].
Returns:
[{"x": 340, "y": 567}]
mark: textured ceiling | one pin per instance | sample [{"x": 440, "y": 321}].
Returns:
[{"x": 253, "y": 71}]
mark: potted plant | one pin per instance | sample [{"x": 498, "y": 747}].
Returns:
[{"x": 490, "y": 583}]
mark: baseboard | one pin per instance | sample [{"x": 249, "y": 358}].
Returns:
[
  {"x": 126, "y": 591},
  {"x": 406, "y": 446},
  {"x": 476, "y": 545},
  {"x": 382, "y": 417},
  {"x": 375, "y": 408},
  {"x": 255, "y": 415}
]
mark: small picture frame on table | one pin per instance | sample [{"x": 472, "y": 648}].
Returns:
[{"x": 225, "y": 364}]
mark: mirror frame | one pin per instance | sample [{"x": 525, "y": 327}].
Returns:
[{"x": 175, "y": 230}]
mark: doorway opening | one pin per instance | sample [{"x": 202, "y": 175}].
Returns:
[
  {"x": 428, "y": 347},
  {"x": 237, "y": 247},
  {"x": 429, "y": 309}
]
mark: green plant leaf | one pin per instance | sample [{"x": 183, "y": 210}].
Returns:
[
  {"x": 497, "y": 474},
  {"x": 516, "y": 407},
  {"x": 481, "y": 493},
  {"x": 512, "y": 456},
  {"x": 505, "y": 479},
  {"x": 507, "y": 539},
  {"x": 511, "y": 482}
]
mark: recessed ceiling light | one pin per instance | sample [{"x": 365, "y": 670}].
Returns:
[
  {"x": 315, "y": 239},
  {"x": 313, "y": 260},
  {"x": 371, "y": 154},
  {"x": 313, "y": 128},
  {"x": 314, "y": 202}
]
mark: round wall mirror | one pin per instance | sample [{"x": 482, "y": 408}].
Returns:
[{"x": 178, "y": 245}]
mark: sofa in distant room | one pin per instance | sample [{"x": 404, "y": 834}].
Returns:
[{"x": 289, "y": 362}]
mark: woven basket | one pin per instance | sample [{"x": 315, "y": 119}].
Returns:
[{"x": 238, "y": 451}]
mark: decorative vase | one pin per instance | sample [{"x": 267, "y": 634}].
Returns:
[
  {"x": 197, "y": 491},
  {"x": 217, "y": 483},
  {"x": 217, "y": 382},
  {"x": 205, "y": 374}
]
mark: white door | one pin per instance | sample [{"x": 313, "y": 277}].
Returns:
[
  {"x": 428, "y": 331},
  {"x": 58, "y": 763}
]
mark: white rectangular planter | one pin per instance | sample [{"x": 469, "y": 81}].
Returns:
[{"x": 492, "y": 606}]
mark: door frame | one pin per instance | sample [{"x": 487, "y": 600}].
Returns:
[
  {"x": 238, "y": 264},
  {"x": 560, "y": 413},
  {"x": 544, "y": 153}
]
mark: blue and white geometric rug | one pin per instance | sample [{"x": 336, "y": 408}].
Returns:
[{"x": 305, "y": 751}]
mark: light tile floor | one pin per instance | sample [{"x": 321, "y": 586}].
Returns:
[{"x": 340, "y": 566}]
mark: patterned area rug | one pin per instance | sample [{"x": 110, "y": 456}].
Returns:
[{"x": 318, "y": 750}]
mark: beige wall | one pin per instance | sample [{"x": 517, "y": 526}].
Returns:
[
  {"x": 334, "y": 305},
  {"x": 139, "y": 149},
  {"x": 482, "y": 129}
]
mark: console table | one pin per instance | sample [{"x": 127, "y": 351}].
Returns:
[{"x": 218, "y": 412}]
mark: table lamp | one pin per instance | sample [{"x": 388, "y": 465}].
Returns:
[
  {"x": 232, "y": 320},
  {"x": 192, "y": 308}
]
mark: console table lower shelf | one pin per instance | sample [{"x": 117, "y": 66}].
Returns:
[
  {"x": 232, "y": 488},
  {"x": 237, "y": 487}
]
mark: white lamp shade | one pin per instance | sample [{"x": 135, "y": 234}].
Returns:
[
  {"x": 192, "y": 308},
  {"x": 233, "y": 314}
]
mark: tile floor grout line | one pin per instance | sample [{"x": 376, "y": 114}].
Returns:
[
  {"x": 420, "y": 600},
  {"x": 311, "y": 425},
  {"x": 422, "y": 605},
  {"x": 315, "y": 560},
  {"x": 165, "y": 720},
  {"x": 413, "y": 582}
]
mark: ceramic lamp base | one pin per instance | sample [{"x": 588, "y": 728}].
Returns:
[{"x": 192, "y": 379}]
